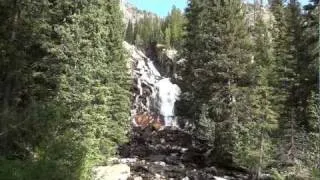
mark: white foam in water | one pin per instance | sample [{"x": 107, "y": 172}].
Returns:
[
  {"x": 167, "y": 95},
  {"x": 164, "y": 93}
]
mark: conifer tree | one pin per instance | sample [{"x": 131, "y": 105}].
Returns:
[
  {"x": 258, "y": 151},
  {"x": 218, "y": 55},
  {"x": 65, "y": 70},
  {"x": 148, "y": 31},
  {"x": 130, "y": 33},
  {"x": 284, "y": 79},
  {"x": 167, "y": 37},
  {"x": 310, "y": 82},
  {"x": 175, "y": 24}
]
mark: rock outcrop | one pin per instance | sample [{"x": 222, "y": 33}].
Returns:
[
  {"x": 174, "y": 154},
  {"x": 112, "y": 172},
  {"x": 132, "y": 13},
  {"x": 152, "y": 92}
]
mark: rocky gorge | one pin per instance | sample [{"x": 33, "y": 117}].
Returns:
[{"x": 171, "y": 152}]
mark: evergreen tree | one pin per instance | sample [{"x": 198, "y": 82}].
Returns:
[
  {"x": 130, "y": 33},
  {"x": 258, "y": 151},
  {"x": 175, "y": 24},
  {"x": 285, "y": 66},
  {"x": 218, "y": 55},
  {"x": 148, "y": 31},
  {"x": 64, "y": 87},
  {"x": 295, "y": 83},
  {"x": 310, "y": 82},
  {"x": 167, "y": 37}
]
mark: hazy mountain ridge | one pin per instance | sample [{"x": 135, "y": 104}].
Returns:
[{"x": 132, "y": 13}]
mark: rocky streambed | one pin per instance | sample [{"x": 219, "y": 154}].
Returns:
[{"x": 174, "y": 154}]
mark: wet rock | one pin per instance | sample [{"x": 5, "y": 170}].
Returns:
[
  {"x": 174, "y": 160},
  {"x": 115, "y": 160},
  {"x": 156, "y": 158},
  {"x": 211, "y": 170},
  {"x": 152, "y": 92},
  {"x": 160, "y": 163},
  {"x": 266, "y": 177},
  {"x": 158, "y": 176},
  {"x": 219, "y": 178},
  {"x": 173, "y": 153},
  {"x": 127, "y": 160}
]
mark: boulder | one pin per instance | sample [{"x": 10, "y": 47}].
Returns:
[
  {"x": 219, "y": 178},
  {"x": 138, "y": 178},
  {"x": 113, "y": 172}
]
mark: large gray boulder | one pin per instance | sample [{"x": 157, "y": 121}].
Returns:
[{"x": 112, "y": 172}]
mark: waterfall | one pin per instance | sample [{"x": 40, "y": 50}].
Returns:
[
  {"x": 153, "y": 93},
  {"x": 167, "y": 95}
]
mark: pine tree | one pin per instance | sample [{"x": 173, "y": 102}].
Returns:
[
  {"x": 65, "y": 70},
  {"x": 25, "y": 79},
  {"x": 148, "y": 31},
  {"x": 285, "y": 66},
  {"x": 130, "y": 33},
  {"x": 218, "y": 55},
  {"x": 175, "y": 22},
  {"x": 167, "y": 37},
  {"x": 313, "y": 154},
  {"x": 310, "y": 84},
  {"x": 295, "y": 83},
  {"x": 258, "y": 151},
  {"x": 95, "y": 78}
]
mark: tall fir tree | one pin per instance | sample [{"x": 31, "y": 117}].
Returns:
[
  {"x": 65, "y": 70},
  {"x": 175, "y": 24},
  {"x": 259, "y": 148},
  {"x": 285, "y": 79},
  {"x": 130, "y": 33},
  {"x": 310, "y": 81},
  {"x": 218, "y": 56}
]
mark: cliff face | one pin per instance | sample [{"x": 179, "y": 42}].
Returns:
[
  {"x": 132, "y": 13},
  {"x": 153, "y": 93}
]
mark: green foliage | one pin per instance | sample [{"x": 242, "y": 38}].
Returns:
[
  {"x": 152, "y": 29},
  {"x": 217, "y": 64},
  {"x": 313, "y": 141},
  {"x": 130, "y": 33},
  {"x": 147, "y": 30},
  {"x": 64, "y": 87},
  {"x": 276, "y": 175},
  {"x": 206, "y": 126},
  {"x": 256, "y": 137},
  {"x": 253, "y": 101},
  {"x": 315, "y": 173},
  {"x": 174, "y": 31},
  {"x": 167, "y": 36}
]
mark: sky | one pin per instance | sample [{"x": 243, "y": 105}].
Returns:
[
  {"x": 160, "y": 7},
  {"x": 163, "y": 7}
]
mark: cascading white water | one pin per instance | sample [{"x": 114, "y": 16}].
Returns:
[
  {"x": 166, "y": 96},
  {"x": 153, "y": 93}
]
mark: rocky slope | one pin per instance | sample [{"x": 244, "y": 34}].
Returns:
[
  {"x": 173, "y": 154},
  {"x": 168, "y": 154},
  {"x": 153, "y": 93}
]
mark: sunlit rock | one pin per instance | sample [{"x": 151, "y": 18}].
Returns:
[{"x": 113, "y": 172}]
